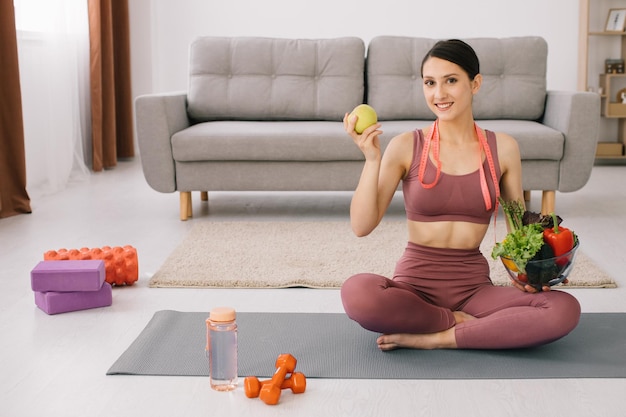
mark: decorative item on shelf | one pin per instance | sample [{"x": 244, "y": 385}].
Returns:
[
  {"x": 616, "y": 21},
  {"x": 614, "y": 66},
  {"x": 609, "y": 149},
  {"x": 620, "y": 97},
  {"x": 616, "y": 110}
]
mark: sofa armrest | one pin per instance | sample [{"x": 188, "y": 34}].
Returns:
[
  {"x": 577, "y": 115},
  {"x": 158, "y": 117}
]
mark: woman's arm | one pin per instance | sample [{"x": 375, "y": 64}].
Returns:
[
  {"x": 511, "y": 168},
  {"x": 511, "y": 182},
  {"x": 379, "y": 179}
]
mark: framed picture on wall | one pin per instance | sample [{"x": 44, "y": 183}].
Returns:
[{"x": 616, "y": 21}]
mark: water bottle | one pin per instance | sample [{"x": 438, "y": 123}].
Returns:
[{"x": 222, "y": 348}]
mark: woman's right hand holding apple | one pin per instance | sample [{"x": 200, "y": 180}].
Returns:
[{"x": 368, "y": 141}]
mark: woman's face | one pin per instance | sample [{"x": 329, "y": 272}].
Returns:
[{"x": 448, "y": 89}]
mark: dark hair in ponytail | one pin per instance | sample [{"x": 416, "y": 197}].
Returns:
[{"x": 457, "y": 52}]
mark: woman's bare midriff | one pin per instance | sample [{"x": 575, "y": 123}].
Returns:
[{"x": 447, "y": 234}]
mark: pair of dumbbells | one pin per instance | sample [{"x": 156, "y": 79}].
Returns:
[{"x": 285, "y": 377}]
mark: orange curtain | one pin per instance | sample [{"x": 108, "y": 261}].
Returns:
[
  {"x": 13, "y": 196},
  {"x": 111, "y": 102}
]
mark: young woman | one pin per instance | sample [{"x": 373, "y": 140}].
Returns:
[{"x": 441, "y": 295}]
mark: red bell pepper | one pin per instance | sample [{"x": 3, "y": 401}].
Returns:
[{"x": 560, "y": 239}]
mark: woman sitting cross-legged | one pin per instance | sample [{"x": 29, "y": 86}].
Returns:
[{"x": 452, "y": 173}]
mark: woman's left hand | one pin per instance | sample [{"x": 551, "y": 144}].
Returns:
[{"x": 529, "y": 288}]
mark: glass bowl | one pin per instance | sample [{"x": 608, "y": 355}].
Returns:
[{"x": 551, "y": 271}]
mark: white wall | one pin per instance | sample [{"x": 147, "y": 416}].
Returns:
[{"x": 163, "y": 29}]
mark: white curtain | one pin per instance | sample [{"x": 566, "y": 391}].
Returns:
[{"x": 53, "y": 49}]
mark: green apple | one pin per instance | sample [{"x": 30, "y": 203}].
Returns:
[{"x": 366, "y": 117}]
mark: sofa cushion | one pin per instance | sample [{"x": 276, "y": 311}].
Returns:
[
  {"x": 535, "y": 140},
  {"x": 327, "y": 141},
  {"x": 275, "y": 79},
  {"x": 265, "y": 141},
  {"x": 513, "y": 69}
]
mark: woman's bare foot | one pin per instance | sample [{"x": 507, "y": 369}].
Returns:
[{"x": 440, "y": 340}]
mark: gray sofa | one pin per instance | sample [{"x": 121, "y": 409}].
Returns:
[{"x": 265, "y": 114}]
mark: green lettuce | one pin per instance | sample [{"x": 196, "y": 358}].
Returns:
[{"x": 520, "y": 245}]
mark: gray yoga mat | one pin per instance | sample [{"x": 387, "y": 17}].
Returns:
[{"x": 333, "y": 346}]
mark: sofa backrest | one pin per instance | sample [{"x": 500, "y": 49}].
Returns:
[
  {"x": 513, "y": 69},
  {"x": 254, "y": 78}
]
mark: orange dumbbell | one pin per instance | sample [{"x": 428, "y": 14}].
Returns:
[
  {"x": 270, "y": 392},
  {"x": 296, "y": 383}
]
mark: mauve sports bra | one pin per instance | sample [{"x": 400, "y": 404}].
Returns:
[{"x": 455, "y": 197}]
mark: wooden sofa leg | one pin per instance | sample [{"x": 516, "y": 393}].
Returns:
[
  {"x": 527, "y": 195},
  {"x": 185, "y": 205},
  {"x": 548, "y": 201},
  {"x": 204, "y": 196}
]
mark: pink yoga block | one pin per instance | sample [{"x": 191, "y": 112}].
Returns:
[
  {"x": 68, "y": 276},
  {"x": 62, "y": 302}
]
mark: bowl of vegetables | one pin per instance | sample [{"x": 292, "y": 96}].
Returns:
[
  {"x": 542, "y": 272},
  {"x": 538, "y": 251}
]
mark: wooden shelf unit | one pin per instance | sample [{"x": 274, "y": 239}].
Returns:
[{"x": 592, "y": 42}]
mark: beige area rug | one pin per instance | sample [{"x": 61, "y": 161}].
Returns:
[{"x": 311, "y": 254}]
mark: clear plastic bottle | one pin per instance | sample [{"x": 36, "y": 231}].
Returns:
[{"x": 222, "y": 348}]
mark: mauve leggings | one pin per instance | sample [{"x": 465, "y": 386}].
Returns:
[{"x": 430, "y": 283}]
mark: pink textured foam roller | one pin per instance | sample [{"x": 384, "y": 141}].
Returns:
[{"x": 120, "y": 262}]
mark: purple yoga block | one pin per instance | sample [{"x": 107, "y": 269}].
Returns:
[
  {"x": 68, "y": 276},
  {"x": 62, "y": 302}
]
